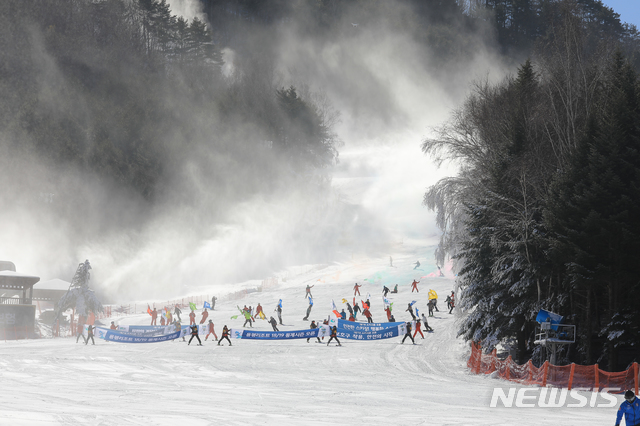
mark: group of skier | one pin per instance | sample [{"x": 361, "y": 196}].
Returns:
[{"x": 414, "y": 327}]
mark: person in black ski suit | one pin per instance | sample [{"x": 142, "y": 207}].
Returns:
[
  {"x": 279, "y": 309},
  {"x": 430, "y": 305},
  {"x": 90, "y": 335},
  {"x": 314, "y": 325},
  {"x": 408, "y": 334},
  {"x": 410, "y": 310},
  {"x": 350, "y": 309},
  {"x": 225, "y": 335},
  {"x": 451, "y": 301},
  {"x": 194, "y": 333},
  {"x": 385, "y": 290},
  {"x": 273, "y": 323},
  {"x": 334, "y": 335},
  {"x": 177, "y": 312}
]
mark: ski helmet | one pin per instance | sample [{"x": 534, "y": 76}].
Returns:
[{"x": 629, "y": 395}]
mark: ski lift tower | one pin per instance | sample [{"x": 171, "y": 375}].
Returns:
[{"x": 552, "y": 334}]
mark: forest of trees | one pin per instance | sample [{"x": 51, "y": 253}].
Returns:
[
  {"x": 128, "y": 91},
  {"x": 545, "y": 213}
]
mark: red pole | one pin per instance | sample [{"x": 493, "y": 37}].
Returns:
[{"x": 573, "y": 367}]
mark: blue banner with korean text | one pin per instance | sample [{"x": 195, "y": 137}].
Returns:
[
  {"x": 366, "y": 327},
  {"x": 116, "y": 336},
  {"x": 386, "y": 333},
  {"x": 274, "y": 335}
]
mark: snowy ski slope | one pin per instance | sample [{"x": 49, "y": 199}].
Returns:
[{"x": 291, "y": 382}]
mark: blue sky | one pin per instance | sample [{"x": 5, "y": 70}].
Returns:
[{"x": 629, "y": 10}]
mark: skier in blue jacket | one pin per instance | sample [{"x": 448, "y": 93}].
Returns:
[{"x": 631, "y": 410}]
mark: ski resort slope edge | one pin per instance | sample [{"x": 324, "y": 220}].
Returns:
[{"x": 289, "y": 382}]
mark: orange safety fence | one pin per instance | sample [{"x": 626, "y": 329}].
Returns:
[{"x": 566, "y": 376}]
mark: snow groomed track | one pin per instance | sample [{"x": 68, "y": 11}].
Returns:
[{"x": 265, "y": 382}]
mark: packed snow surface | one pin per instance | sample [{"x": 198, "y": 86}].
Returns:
[{"x": 289, "y": 382}]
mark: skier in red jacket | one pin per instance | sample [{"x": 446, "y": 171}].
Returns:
[
  {"x": 367, "y": 313},
  {"x": 211, "y": 331},
  {"x": 356, "y": 289},
  {"x": 154, "y": 316},
  {"x": 388, "y": 311},
  {"x": 418, "y": 330},
  {"x": 192, "y": 318},
  {"x": 205, "y": 314},
  {"x": 414, "y": 286}
]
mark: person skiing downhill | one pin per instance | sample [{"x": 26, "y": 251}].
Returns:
[
  {"x": 225, "y": 335},
  {"x": 334, "y": 335},
  {"x": 408, "y": 334},
  {"x": 410, "y": 310},
  {"x": 417, "y": 265},
  {"x": 356, "y": 289},
  {"x": 306, "y": 317},
  {"x": 426, "y": 324},
  {"x": 194, "y": 333},
  {"x": 273, "y": 323},
  {"x": 205, "y": 314},
  {"x": 312, "y": 326},
  {"x": 630, "y": 408},
  {"x": 385, "y": 291},
  {"x": 414, "y": 286}
]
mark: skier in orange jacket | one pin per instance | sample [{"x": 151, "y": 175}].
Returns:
[
  {"x": 211, "y": 331},
  {"x": 205, "y": 314},
  {"x": 356, "y": 289},
  {"x": 418, "y": 330}
]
